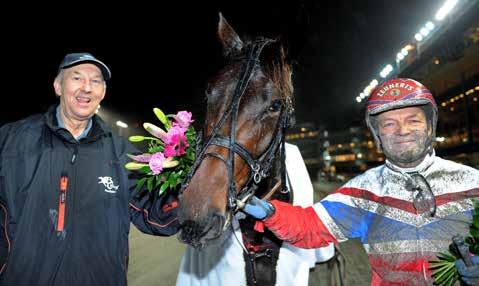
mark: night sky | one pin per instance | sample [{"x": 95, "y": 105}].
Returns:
[{"x": 163, "y": 54}]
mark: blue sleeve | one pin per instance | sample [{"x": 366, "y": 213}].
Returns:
[{"x": 346, "y": 219}]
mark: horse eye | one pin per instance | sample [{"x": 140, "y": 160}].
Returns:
[
  {"x": 208, "y": 89},
  {"x": 276, "y": 105}
]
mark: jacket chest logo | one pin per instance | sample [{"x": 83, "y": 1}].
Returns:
[{"x": 109, "y": 185}]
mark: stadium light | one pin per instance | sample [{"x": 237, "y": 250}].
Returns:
[
  {"x": 121, "y": 124},
  {"x": 367, "y": 90},
  {"x": 424, "y": 31},
  {"x": 386, "y": 71},
  {"x": 430, "y": 26},
  {"x": 418, "y": 37},
  {"x": 445, "y": 9}
]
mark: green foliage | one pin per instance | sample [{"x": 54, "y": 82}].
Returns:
[{"x": 443, "y": 269}]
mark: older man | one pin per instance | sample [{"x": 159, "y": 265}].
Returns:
[
  {"x": 405, "y": 211},
  {"x": 65, "y": 198}
]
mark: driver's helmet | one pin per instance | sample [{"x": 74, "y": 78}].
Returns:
[{"x": 398, "y": 93}]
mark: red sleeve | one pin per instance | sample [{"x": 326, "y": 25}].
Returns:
[{"x": 299, "y": 226}]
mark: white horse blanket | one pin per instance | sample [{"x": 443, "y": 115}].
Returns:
[{"x": 222, "y": 262}]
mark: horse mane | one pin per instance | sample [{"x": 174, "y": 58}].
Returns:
[{"x": 275, "y": 66}]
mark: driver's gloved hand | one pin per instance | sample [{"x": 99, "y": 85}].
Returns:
[
  {"x": 258, "y": 208},
  {"x": 469, "y": 275}
]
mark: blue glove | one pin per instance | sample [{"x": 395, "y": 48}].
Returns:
[
  {"x": 469, "y": 275},
  {"x": 258, "y": 209}
]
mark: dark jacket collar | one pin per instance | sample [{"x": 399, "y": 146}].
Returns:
[{"x": 98, "y": 130}]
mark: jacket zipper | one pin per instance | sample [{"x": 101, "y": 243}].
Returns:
[
  {"x": 74, "y": 156},
  {"x": 62, "y": 202}
]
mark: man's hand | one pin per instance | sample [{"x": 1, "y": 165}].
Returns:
[
  {"x": 469, "y": 275},
  {"x": 258, "y": 208}
]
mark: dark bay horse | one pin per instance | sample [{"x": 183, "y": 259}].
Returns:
[{"x": 249, "y": 103}]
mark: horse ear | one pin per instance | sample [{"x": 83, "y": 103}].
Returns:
[{"x": 229, "y": 39}]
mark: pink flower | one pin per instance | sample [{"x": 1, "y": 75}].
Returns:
[
  {"x": 156, "y": 163},
  {"x": 183, "y": 119},
  {"x": 170, "y": 151},
  {"x": 174, "y": 134},
  {"x": 176, "y": 142}
]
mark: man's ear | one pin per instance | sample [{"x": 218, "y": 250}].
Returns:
[
  {"x": 104, "y": 93},
  {"x": 430, "y": 127},
  {"x": 57, "y": 86}
]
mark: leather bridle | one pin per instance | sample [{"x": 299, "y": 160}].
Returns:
[{"x": 259, "y": 167}]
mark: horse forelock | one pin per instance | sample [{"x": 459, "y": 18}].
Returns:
[
  {"x": 274, "y": 64},
  {"x": 280, "y": 74}
]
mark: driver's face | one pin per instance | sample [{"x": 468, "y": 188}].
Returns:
[{"x": 403, "y": 133}]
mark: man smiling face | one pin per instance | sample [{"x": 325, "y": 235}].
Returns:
[
  {"x": 81, "y": 88},
  {"x": 404, "y": 135}
]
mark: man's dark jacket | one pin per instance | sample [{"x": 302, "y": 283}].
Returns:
[{"x": 99, "y": 203}]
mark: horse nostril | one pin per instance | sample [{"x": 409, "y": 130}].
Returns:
[
  {"x": 220, "y": 218},
  {"x": 217, "y": 223},
  {"x": 189, "y": 230}
]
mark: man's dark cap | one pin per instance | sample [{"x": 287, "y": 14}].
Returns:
[{"x": 74, "y": 59}]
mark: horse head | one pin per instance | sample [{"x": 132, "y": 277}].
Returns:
[{"x": 248, "y": 104}]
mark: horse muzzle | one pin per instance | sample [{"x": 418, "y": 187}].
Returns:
[{"x": 198, "y": 233}]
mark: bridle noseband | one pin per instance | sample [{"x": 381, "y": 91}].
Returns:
[{"x": 259, "y": 167}]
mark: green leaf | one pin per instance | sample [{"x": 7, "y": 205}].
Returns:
[
  {"x": 140, "y": 184},
  {"x": 437, "y": 266},
  {"x": 445, "y": 273},
  {"x": 146, "y": 169},
  {"x": 155, "y": 149},
  {"x": 474, "y": 232},
  {"x": 158, "y": 181},
  {"x": 451, "y": 281},
  {"x": 171, "y": 179},
  {"x": 446, "y": 256},
  {"x": 149, "y": 183},
  {"x": 164, "y": 187},
  {"x": 444, "y": 270}
]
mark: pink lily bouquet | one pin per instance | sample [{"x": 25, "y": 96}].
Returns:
[{"x": 170, "y": 155}]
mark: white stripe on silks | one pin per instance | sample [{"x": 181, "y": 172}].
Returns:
[
  {"x": 329, "y": 222},
  {"x": 407, "y": 246},
  {"x": 453, "y": 208}
]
